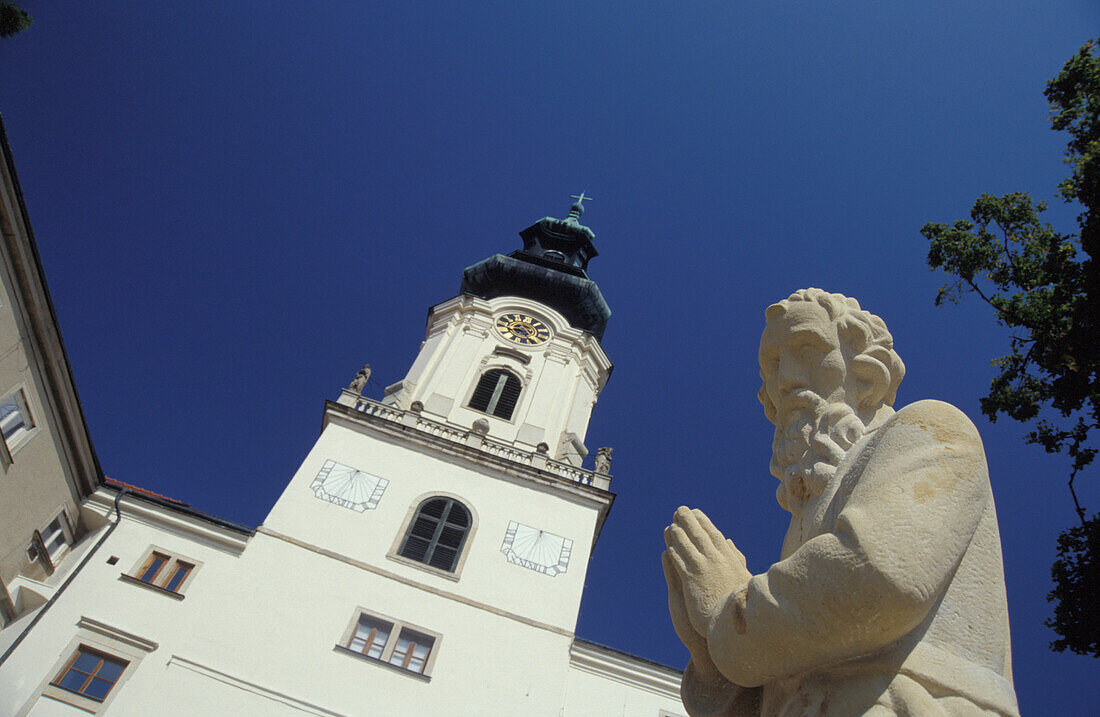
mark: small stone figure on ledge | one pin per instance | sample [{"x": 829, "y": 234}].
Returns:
[
  {"x": 360, "y": 381},
  {"x": 603, "y": 461}
]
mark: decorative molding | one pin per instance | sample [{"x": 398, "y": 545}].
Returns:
[
  {"x": 624, "y": 668},
  {"x": 102, "y": 503},
  {"x": 115, "y": 633},
  {"x": 512, "y": 353}
]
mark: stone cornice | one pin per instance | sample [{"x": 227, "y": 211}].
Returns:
[
  {"x": 181, "y": 519},
  {"x": 627, "y": 669}
]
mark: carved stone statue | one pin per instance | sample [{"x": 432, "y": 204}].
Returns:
[
  {"x": 360, "y": 381},
  {"x": 889, "y": 596},
  {"x": 603, "y": 461}
]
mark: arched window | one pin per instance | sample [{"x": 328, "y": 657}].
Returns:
[
  {"x": 496, "y": 393},
  {"x": 437, "y": 533}
]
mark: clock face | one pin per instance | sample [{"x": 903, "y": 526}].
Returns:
[
  {"x": 347, "y": 487},
  {"x": 522, "y": 329},
  {"x": 536, "y": 549}
]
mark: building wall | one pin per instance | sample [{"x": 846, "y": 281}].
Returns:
[
  {"x": 485, "y": 575},
  {"x": 256, "y": 633},
  {"x": 53, "y": 466}
]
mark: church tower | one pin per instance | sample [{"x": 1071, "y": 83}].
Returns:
[
  {"x": 458, "y": 503},
  {"x": 518, "y": 351},
  {"x": 428, "y": 557}
]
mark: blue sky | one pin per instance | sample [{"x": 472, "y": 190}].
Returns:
[{"x": 237, "y": 205}]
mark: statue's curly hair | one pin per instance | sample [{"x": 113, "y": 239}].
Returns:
[{"x": 868, "y": 338}]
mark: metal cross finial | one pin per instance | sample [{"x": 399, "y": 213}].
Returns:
[{"x": 577, "y": 209}]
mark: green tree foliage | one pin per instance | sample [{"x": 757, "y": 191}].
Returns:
[
  {"x": 1045, "y": 287},
  {"x": 1076, "y": 584},
  {"x": 13, "y": 19}
]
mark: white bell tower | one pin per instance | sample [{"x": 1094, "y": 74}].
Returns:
[{"x": 517, "y": 354}]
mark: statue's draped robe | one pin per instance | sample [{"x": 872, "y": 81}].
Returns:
[{"x": 889, "y": 597}]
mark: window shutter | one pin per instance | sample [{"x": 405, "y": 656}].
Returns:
[
  {"x": 484, "y": 391},
  {"x": 497, "y": 393},
  {"x": 509, "y": 395},
  {"x": 437, "y": 533}
]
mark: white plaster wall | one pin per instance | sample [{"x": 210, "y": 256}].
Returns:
[
  {"x": 52, "y": 708},
  {"x": 271, "y": 618},
  {"x": 486, "y": 575},
  {"x": 591, "y": 695}
]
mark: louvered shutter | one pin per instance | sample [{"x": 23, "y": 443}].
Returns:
[
  {"x": 509, "y": 395},
  {"x": 484, "y": 391},
  {"x": 437, "y": 533},
  {"x": 497, "y": 393}
]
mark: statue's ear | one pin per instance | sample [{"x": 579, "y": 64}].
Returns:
[
  {"x": 872, "y": 376},
  {"x": 765, "y": 400}
]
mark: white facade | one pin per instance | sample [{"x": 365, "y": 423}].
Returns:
[{"x": 263, "y": 622}]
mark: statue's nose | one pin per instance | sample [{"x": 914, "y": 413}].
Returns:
[{"x": 791, "y": 374}]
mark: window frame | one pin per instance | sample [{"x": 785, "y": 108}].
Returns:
[
  {"x": 397, "y": 628},
  {"x": 406, "y": 526},
  {"x": 165, "y": 573},
  {"x": 477, "y": 383},
  {"x": 98, "y": 637},
  {"x": 30, "y": 425},
  {"x": 39, "y": 550},
  {"x": 104, "y": 657}
]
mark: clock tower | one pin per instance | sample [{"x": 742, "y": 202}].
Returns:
[
  {"x": 428, "y": 556},
  {"x": 518, "y": 352},
  {"x": 461, "y": 499}
]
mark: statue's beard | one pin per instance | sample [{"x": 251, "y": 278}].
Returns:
[{"x": 811, "y": 438}]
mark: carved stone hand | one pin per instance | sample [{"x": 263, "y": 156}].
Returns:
[{"x": 710, "y": 568}]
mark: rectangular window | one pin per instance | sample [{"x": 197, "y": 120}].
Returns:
[
  {"x": 50, "y": 543},
  {"x": 391, "y": 642},
  {"x": 371, "y": 636},
  {"x": 162, "y": 570},
  {"x": 53, "y": 537},
  {"x": 90, "y": 673},
  {"x": 412, "y": 650},
  {"x": 152, "y": 567},
  {"x": 15, "y": 420},
  {"x": 179, "y": 573}
]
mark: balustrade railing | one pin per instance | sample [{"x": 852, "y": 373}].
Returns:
[{"x": 491, "y": 446}]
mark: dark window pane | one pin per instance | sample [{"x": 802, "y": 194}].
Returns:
[
  {"x": 86, "y": 662},
  {"x": 484, "y": 391},
  {"x": 98, "y": 688},
  {"x": 154, "y": 568},
  {"x": 73, "y": 680},
  {"x": 110, "y": 670},
  {"x": 178, "y": 574}
]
